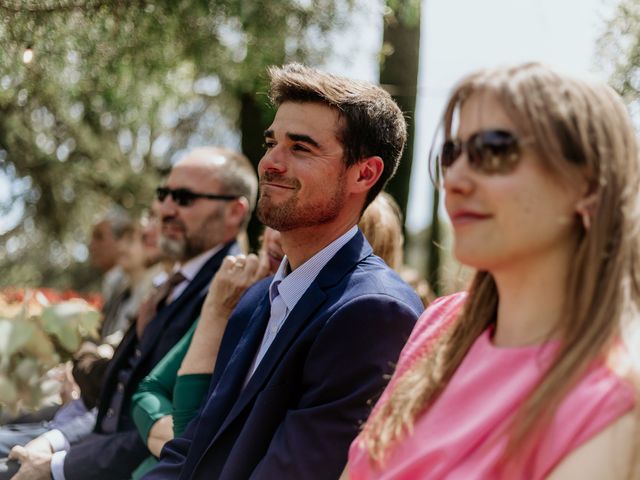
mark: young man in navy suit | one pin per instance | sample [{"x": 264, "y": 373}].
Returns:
[
  {"x": 306, "y": 351},
  {"x": 206, "y": 202}
]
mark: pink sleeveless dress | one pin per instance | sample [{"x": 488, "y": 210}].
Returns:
[{"x": 461, "y": 437}]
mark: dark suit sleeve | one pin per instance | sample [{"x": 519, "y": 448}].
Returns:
[
  {"x": 346, "y": 370},
  {"x": 105, "y": 457}
]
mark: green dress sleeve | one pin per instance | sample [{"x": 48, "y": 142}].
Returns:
[
  {"x": 154, "y": 397},
  {"x": 188, "y": 396}
]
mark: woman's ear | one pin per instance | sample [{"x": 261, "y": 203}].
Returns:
[{"x": 586, "y": 209}]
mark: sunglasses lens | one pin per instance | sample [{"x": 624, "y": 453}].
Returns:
[
  {"x": 450, "y": 152},
  {"x": 161, "y": 193},
  {"x": 182, "y": 197},
  {"x": 493, "y": 151}
]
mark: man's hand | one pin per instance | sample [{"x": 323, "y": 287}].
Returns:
[
  {"x": 160, "y": 433},
  {"x": 39, "y": 445},
  {"x": 34, "y": 464}
]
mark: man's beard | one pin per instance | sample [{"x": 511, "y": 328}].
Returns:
[
  {"x": 208, "y": 236},
  {"x": 175, "y": 249},
  {"x": 290, "y": 214}
]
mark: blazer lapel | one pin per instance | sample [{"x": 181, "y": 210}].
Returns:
[
  {"x": 227, "y": 389},
  {"x": 343, "y": 262},
  {"x": 196, "y": 286}
]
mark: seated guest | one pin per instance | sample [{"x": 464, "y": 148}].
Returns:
[
  {"x": 204, "y": 205},
  {"x": 530, "y": 374},
  {"x": 381, "y": 224},
  {"x": 170, "y": 396},
  {"x": 418, "y": 283},
  {"x": 103, "y": 254},
  {"x": 306, "y": 351},
  {"x": 139, "y": 260}
]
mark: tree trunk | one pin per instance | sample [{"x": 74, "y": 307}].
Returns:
[{"x": 399, "y": 75}]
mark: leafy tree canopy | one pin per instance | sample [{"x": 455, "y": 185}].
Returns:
[
  {"x": 113, "y": 92},
  {"x": 619, "y": 52}
]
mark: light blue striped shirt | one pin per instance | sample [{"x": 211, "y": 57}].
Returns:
[{"x": 286, "y": 290}]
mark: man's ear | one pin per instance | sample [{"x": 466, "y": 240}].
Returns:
[
  {"x": 366, "y": 173},
  {"x": 237, "y": 210}
]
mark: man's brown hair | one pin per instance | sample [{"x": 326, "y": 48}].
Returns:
[{"x": 373, "y": 123}]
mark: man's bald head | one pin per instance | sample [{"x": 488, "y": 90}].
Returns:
[{"x": 191, "y": 228}]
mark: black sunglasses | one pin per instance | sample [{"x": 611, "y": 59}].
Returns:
[
  {"x": 185, "y": 197},
  {"x": 488, "y": 151}
]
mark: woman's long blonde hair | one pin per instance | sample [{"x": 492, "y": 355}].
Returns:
[{"x": 573, "y": 123}]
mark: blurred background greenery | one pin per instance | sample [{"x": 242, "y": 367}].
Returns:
[{"x": 99, "y": 97}]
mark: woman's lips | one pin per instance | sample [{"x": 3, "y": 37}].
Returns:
[{"x": 466, "y": 217}]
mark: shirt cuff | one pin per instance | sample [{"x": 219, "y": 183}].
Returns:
[
  {"x": 57, "y": 465},
  {"x": 57, "y": 440}
]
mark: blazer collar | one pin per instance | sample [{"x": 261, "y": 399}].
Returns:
[
  {"x": 344, "y": 261},
  {"x": 200, "y": 281}
]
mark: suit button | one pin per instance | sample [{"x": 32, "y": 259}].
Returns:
[
  {"x": 120, "y": 387},
  {"x": 110, "y": 413},
  {"x": 138, "y": 353}
]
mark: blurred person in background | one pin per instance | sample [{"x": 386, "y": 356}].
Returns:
[
  {"x": 139, "y": 257},
  {"x": 138, "y": 261},
  {"x": 103, "y": 253},
  {"x": 204, "y": 204},
  {"x": 382, "y": 224}
]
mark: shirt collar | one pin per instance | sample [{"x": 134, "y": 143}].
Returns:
[
  {"x": 192, "y": 266},
  {"x": 291, "y": 286}
]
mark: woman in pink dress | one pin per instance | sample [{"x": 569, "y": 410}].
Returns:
[{"x": 528, "y": 375}]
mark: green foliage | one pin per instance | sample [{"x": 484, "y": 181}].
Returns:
[
  {"x": 34, "y": 337},
  {"x": 619, "y": 51},
  {"x": 69, "y": 322},
  {"x": 115, "y": 90}
]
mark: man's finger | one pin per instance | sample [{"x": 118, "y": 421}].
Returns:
[{"x": 18, "y": 453}]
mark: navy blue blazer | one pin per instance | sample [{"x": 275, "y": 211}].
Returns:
[
  {"x": 116, "y": 455},
  {"x": 306, "y": 400}
]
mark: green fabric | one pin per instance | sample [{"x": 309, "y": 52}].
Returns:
[
  {"x": 163, "y": 392},
  {"x": 154, "y": 397},
  {"x": 187, "y": 398}
]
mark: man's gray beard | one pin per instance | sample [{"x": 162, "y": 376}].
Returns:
[{"x": 173, "y": 248}]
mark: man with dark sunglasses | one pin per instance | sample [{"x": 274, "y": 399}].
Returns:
[
  {"x": 306, "y": 350},
  {"x": 205, "y": 204}
]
